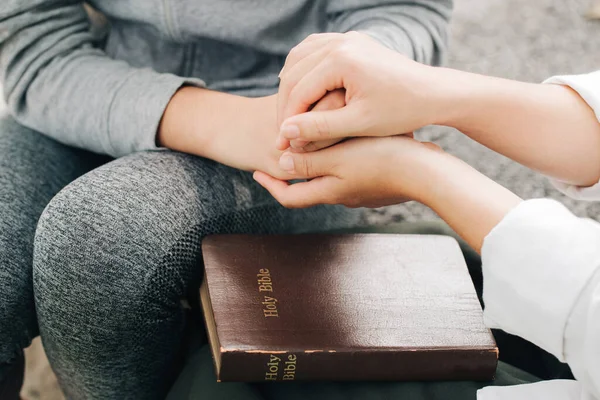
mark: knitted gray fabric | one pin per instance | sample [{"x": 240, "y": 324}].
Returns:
[{"x": 33, "y": 168}]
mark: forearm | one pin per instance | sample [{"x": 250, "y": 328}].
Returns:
[
  {"x": 57, "y": 83},
  {"x": 237, "y": 131},
  {"x": 195, "y": 117},
  {"x": 548, "y": 128},
  {"x": 468, "y": 201}
]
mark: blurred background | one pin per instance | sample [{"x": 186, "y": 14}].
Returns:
[{"x": 525, "y": 40}]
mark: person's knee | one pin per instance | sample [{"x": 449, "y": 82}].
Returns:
[
  {"x": 117, "y": 238},
  {"x": 78, "y": 249}
]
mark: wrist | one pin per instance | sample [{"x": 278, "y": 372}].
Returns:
[
  {"x": 175, "y": 124},
  {"x": 432, "y": 177},
  {"x": 468, "y": 201},
  {"x": 426, "y": 163},
  {"x": 195, "y": 118},
  {"x": 466, "y": 100},
  {"x": 453, "y": 97}
]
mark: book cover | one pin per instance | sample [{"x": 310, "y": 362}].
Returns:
[{"x": 343, "y": 307}]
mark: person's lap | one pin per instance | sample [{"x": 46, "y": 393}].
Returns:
[
  {"x": 197, "y": 381},
  {"x": 115, "y": 251}
]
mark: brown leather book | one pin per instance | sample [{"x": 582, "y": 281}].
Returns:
[{"x": 343, "y": 307}]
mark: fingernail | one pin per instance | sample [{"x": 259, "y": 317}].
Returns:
[
  {"x": 290, "y": 131},
  {"x": 286, "y": 162},
  {"x": 279, "y": 142},
  {"x": 298, "y": 144}
]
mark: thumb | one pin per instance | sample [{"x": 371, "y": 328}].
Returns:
[
  {"x": 308, "y": 165},
  {"x": 299, "y": 195},
  {"x": 323, "y": 125}
]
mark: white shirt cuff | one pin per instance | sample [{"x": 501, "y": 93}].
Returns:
[
  {"x": 588, "y": 87},
  {"x": 532, "y": 276},
  {"x": 547, "y": 390}
]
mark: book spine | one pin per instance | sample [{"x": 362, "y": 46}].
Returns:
[{"x": 397, "y": 365}]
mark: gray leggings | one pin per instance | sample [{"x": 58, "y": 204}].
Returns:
[{"x": 98, "y": 263}]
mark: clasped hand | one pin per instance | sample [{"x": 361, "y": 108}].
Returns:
[{"x": 386, "y": 97}]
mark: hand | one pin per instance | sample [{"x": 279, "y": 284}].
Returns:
[
  {"x": 331, "y": 101},
  {"x": 233, "y": 130},
  {"x": 363, "y": 172},
  {"x": 374, "y": 172},
  {"x": 386, "y": 93},
  {"x": 252, "y": 149}
]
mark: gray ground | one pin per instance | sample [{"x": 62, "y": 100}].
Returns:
[
  {"x": 528, "y": 40},
  {"x": 521, "y": 39}
]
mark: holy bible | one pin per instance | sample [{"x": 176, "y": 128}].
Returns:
[{"x": 343, "y": 307}]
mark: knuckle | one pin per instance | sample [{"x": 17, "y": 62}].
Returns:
[
  {"x": 346, "y": 47},
  {"x": 294, "y": 90},
  {"x": 284, "y": 85},
  {"x": 313, "y": 36},
  {"x": 321, "y": 127},
  {"x": 312, "y": 146},
  {"x": 352, "y": 35},
  {"x": 294, "y": 55},
  {"x": 338, "y": 52},
  {"x": 308, "y": 166}
]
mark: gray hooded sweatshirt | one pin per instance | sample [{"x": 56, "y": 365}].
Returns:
[{"x": 107, "y": 93}]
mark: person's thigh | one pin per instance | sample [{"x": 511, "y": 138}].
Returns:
[
  {"x": 33, "y": 168},
  {"x": 118, "y": 249}
]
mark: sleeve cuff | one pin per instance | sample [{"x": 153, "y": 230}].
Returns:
[
  {"x": 556, "y": 389},
  {"x": 137, "y": 108},
  {"x": 590, "y": 193},
  {"x": 532, "y": 275},
  {"x": 588, "y": 87}
]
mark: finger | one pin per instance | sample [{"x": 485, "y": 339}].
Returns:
[
  {"x": 311, "y": 84},
  {"x": 302, "y": 146},
  {"x": 316, "y": 126},
  {"x": 331, "y": 101},
  {"x": 308, "y": 165},
  {"x": 282, "y": 143},
  {"x": 298, "y": 195},
  {"x": 307, "y": 47},
  {"x": 293, "y": 75},
  {"x": 298, "y": 144},
  {"x": 433, "y": 146}
]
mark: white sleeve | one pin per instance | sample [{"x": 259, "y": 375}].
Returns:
[
  {"x": 541, "y": 270},
  {"x": 588, "y": 87}
]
